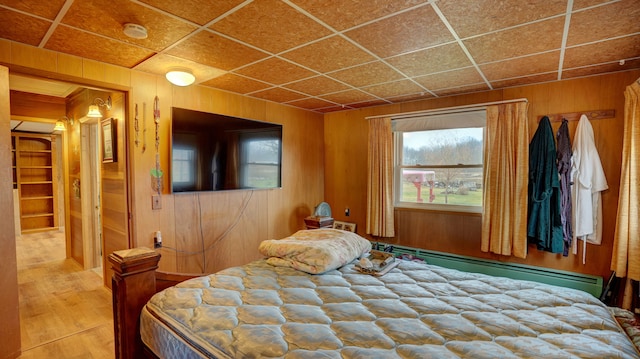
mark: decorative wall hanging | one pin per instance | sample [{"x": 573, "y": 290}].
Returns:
[
  {"x": 156, "y": 173},
  {"x": 144, "y": 127},
  {"x": 109, "y": 140},
  {"x": 136, "y": 127}
]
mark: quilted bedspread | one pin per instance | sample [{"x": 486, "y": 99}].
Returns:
[{"x": 414, "y": 311}]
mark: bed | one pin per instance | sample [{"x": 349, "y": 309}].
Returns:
[{"x": 299, "y": 306}]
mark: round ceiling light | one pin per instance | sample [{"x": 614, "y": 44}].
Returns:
[
  {"x": 135, "y": 31},
  {"x": 180, "y": 77}
]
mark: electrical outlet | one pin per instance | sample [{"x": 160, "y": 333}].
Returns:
[{"x": 156, "y": 203}]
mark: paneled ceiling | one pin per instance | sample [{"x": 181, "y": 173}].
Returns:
[{"x": 336, "y": 54}]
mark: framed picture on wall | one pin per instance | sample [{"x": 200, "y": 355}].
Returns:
[{"x": 109, "y": 140}]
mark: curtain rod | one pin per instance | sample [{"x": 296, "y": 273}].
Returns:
[{"x": 462, "y": 108}]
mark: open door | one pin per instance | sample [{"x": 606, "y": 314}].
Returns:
[{"x": 91, "y": 186}]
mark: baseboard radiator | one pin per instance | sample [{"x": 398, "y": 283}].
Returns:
[{"x": 588, "y": 283}]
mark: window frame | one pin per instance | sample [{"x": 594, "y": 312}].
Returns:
[
  {"x": 245, "y": 163},
  {"x": 423, "y": 124}
]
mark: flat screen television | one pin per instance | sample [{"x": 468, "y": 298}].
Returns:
[{"x": 212, "y": 152}]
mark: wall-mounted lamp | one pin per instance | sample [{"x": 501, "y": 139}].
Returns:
[
  {"x": 180, "y": 76},
  {"x": 60, "y": 126},
  {"x": 94, "y": 110}
]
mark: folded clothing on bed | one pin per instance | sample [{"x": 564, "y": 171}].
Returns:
[{"x": 315, "y": 251}]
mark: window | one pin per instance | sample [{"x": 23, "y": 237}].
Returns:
[
  {"x": 260, "y": 159},
  {"x": 438, "y": 161}
]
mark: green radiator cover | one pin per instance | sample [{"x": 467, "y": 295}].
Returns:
[{"x": 588, "y": 283}]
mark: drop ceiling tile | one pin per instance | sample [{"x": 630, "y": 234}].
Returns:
[
  {"x": 519, "y": 41},
  {"x": 602, "y": 52},
  {"x": 277, "y": 94},
  {"x": 195, "y": 10},
  {"x": 275, "y": 71},
  {"x": 107, "y": 18},
  {"x": 475, "y": 17},
  {"x": 525, "y": 80},
  {"x": 318, "y": 85},
  {"x": 79, "y": 43},
  {"x": 368, "y": 104},
  {"x": 462, "y": 89},
  {"x": 216, "y": 51},
  {"x": 601, "y": 69},
  {"x": 311, "y": 103},
  {"x": 435, "y": 59},
  {"x": 367, "y": 74},
  {"x": 48, "y": 9},
  {"x": 410, "y": 97},
  {"x": 332, "y": 109},
  {"x": 580, "y": 4},
  {"x": 329, "y": 54},
  {"x": 22, "y": 28},
  {"x": 342, "y": 15},
  {"x": 522, "y": 66},
  {"x": 393, "y": 36},
  {"x": 262, "y": 23},
  {"x": 448, "y": 79},
  {"x": 349, "y": 96},
  {"x": 160, "y": 64},
  {"x": 394, "y": 89},
  {"x": 235, "y": 83},
  {"x": 603, "y": 22}
]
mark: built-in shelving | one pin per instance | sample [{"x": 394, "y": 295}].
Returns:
[{"x": 33, "y": 175}]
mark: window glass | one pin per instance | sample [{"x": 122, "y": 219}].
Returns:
[
  {"x": 260, "y": 161},
  {"x": 439, "y": 168}
]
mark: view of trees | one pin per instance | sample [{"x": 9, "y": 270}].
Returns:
[{"x": 441, "y": 151}]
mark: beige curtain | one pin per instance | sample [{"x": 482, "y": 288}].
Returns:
[
  {"x": 380, "y": 179},
  {"x": 625, "y": 260},
  {"x": 506, "y": 173}
]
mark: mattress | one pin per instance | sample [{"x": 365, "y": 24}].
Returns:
[{"x": 413, "y": 311}]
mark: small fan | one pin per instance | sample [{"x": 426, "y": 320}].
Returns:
[{"x": 322, "y": 210}]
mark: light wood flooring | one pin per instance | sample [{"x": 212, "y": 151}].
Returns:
[{"x": 65, "y": 311}]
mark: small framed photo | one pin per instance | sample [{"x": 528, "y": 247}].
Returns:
[
  {"x": 109, "y": 140},
  {"x": 345, "y": 226}
]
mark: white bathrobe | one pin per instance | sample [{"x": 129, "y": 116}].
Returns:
[{"x": 588, "y": 183}]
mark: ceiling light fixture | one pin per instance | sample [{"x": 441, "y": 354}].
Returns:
[
  {"x": 180, "y": 76},
  {"x": 135, "y": 31},
  {"x": 94, "y": 110}
]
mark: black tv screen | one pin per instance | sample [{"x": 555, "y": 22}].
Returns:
[{"x": 212, "y": 152}]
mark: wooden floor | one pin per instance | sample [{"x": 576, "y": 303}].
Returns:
[{"x": 65, "y": 311}]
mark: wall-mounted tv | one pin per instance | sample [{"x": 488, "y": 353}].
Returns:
[{"x": 212, "y": 152}]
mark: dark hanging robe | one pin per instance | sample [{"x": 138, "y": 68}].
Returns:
[
  {"x": 564, "y": 170},
  {"x": 544, "y": 225}
]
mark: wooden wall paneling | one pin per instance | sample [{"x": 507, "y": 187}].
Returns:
[
  {"x": 442, "y": 231},
  {"x": 39, "y": 106},
  {"x": 5, "y": 51},
  {"x": 346, "y": 167},
  {"x": 9, "y": 305},
  {"x": 114, "y": 192},
  {"x": 302, "y": 153},
  {"x": 33, "y": 57},
  {"x": 227, "y": 230}
]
